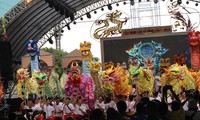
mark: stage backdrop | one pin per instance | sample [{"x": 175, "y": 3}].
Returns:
[{"x": 114, "y": 49}]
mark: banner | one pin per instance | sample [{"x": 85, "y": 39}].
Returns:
[
  {"x": 34, "y": 63},
  {"x": 86, "y": 68}
]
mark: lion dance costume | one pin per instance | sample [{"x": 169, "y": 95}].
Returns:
[
  {"x": 143, "y": 78},
  {"x": 78, "y": 84}
]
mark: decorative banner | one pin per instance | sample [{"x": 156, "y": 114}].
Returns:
[
  {"x": 194, "y": 49},
  {"x": 34, "y": 63},
  {"x": 86, "y": 67},
  {"x": 146, "y": 30},
  {"x": 86, "y": 56},
  {"x": 195, "y": 61}
]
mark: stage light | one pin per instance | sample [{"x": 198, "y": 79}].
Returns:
[
  {"x": 155, "y": 1},
  {"x": 132, "y": 2},
  {"x": 50, "y": 41},
  {"x": 196, "y": 4},
  {"x": 71, "y": 16},
  {"x": 187, "y": 2},
  {"x": 88, "y": 15},
  {"x": 28, "y": 1},
  {"x": 179, "y": 2},
  {"x": 95, "y": 12},
  {"x": 102, "y": 9},
  {"x": 109, "y": 7},
  {"x": 68, "y": 27}
]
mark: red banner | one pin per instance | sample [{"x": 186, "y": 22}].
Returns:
[{"x": 194, "y": 39}]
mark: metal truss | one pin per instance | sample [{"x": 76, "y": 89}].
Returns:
[
  {"x": 77, "y": 15},
  {"x": 14, "y": 12},
  {"x": 197, "y": 1}
]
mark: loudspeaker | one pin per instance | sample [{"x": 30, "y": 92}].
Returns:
[{"x": 6, "y": 71}]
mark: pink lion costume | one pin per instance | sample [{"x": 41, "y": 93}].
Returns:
[{"x": 78, "y": 84}]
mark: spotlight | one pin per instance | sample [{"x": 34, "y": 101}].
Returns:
[
  {"x": 155, "y": 1},
  {"x": 28, "y": 1},
  {"x": 196, "y": 4},
  {"x": 124, "y": 3},
  {"x": 71, "y": 16},
  {"x": 109, "y": 7},
  {"x": 81, "y": 18},
  {"x": 117, "y": 4},
  {"x": 68, "y": 27},
  {"x": 50, "y": 41},
  {"x": 179, "y": 2},
  {"x": 102, "y": 9},
  {"x": 187, "y": 2},
  {"x": 132, "y": 2},
  {"x": 95, "y": 12},
  {"x": 88, "y": 15}
]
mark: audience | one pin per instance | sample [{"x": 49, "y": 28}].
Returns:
[{"x": 139, "y": 107}]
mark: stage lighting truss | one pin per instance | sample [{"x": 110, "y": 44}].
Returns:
[
  {"x": 77, "y": 15},
  {"x": 14, "y": 12}
]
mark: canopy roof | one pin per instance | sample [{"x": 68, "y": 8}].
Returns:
[{"x": 36, "y": 20}]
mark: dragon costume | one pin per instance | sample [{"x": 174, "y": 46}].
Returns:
[
  {"x": 78, "y": 84},
  {"x": 143, "y": 78},
  {"x": 22, "y": 77},
  {"x": 179, "y": 77},
  {"x": 63, "y": 79},
  {"x": 95, "y": 69},
  {"x": 43, "y": 84},
  {"x": 121, "y": 86},
  {"x": 107, "y": 76},
  {"x": 196, "y": 76},
  {"x": 54, "y": 84}
]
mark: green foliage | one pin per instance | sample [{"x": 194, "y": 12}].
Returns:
[{"x": 59, "y": 54}]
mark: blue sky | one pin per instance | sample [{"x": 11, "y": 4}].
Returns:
[{"x": 6, "y": 5}]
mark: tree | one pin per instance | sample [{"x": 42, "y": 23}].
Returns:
[{"x": 59, "y": 54}]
